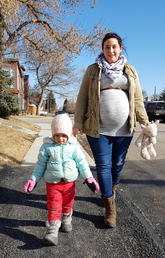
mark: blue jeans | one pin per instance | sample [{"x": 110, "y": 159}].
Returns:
[{"x": 109, "y": 154}]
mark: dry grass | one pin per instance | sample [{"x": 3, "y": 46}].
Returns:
[
  {"x": 15, "y": 121},
  {"x": 14, "y": 143}
]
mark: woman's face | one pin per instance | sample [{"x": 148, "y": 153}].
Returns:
[{"x": 111, "y": 50}]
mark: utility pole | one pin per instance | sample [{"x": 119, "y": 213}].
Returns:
[{"x": 155, "y": 93}]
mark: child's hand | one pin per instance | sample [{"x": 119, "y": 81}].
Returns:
[
  {"x": 92, "y": 184},
  {"x": 29, "y": 185}
]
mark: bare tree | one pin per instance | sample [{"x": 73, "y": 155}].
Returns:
[
  {"x": 145, "y": 96},
  {"x": 36, "y": 29},
  {"x": 69, "y": 106},
  {"x": 24, "y": 22},
  {"x": 51, "y": 69}
]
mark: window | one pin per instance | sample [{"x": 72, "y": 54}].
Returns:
[{"x": 11, "y": 73}]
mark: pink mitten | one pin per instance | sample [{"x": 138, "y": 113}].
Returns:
[
  {"x": 29, "y": 185},
  {"x": 92, "y": 184}
]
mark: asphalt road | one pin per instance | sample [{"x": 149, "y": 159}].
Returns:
[{"x": 140, "y": 201}]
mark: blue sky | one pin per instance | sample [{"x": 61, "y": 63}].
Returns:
[{"x": 141, "y": 24}]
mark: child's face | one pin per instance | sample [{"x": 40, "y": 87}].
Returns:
[{"x": 60, "y": 138}]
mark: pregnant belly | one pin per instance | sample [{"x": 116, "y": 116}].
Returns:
[{"x": 114, "y": 108}]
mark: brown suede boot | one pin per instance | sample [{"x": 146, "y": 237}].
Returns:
[{"x": 110, "y": 212}]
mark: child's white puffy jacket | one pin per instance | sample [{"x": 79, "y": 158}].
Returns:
[{"x": 60, "y": 162}]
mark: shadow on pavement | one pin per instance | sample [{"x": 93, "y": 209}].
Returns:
[
  {"x": 10, "y": 196},
  {"x": 95, "y": 219},
  {"x": 8, "y": 227},
  {"x": 95, "y": 200}
]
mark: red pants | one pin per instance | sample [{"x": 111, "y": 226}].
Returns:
[{"x": 60, "y": 199}]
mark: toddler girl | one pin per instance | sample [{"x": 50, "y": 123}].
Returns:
[{"x": 60, "y": 161}]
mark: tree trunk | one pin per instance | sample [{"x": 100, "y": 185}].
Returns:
[
  {"x": 1, "y": 36},
  {"x": 40, "y": 101}
]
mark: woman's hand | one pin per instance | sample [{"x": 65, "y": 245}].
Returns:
[{"x": 76, "y": 131}]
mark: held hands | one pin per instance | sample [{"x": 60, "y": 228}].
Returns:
[
  {"x": 29, "y": 186},
  {"x": 92, "y": 184},
  {"x": 76, "y": 131}
]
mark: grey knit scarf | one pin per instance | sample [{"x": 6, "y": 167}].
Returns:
[{"x": 113, "y": 70}]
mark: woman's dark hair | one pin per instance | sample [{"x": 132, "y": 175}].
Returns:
[{"x": 113, "y": 35}]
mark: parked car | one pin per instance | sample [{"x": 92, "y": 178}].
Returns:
[
  {"x": 155, "y": 110},
  {"x": 43, "y": 113}
]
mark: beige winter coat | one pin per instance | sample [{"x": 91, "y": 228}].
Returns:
[{"x": 87, "y": 114}]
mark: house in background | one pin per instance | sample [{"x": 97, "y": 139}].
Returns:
[{"x": 20, "y": 85}]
